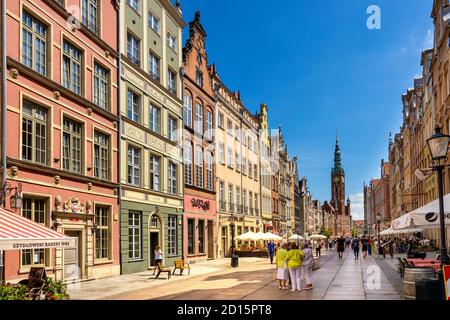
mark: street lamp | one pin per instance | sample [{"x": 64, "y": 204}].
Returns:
[
  {"x": 438, "y": 147},
  {"x": 232, "y": 226},
  {"x": 16, "y": 200}
]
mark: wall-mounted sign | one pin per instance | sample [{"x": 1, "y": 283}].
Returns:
[
  {"x": 447, "y": 281},
  {"x": 197, "y": 203}
]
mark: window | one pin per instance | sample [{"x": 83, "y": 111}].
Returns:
[
  {"x": 72, "y": 67},
  {"x": 250, "y": 199},
  {"x": 201, "y": 236},
  {"x": 222, "y": 153},
  {"x": 238, "y": 197},
  {"x": 220, "y": 120},
  {"x": 231, "y": 197},
  {"x": 230, "y": 157},
  {"x": 101, "y": 156},
  {"x": 172, "y": 81},
  {"x": 134, "y": 4},
  {"x": 153, "y": 62},
  {"x": 209, "y": 171},
  {"x": 134, "y": 166},
  {"x": 237, "y": 133},
  {"x": 172, "y": 235},
  {"x": 133, "y": 106},
  {"x": 255, "y": 175},
  {"x": 222, "y": 195},
  {"x": 172, "y": 129},
  {"x": 34, "y": 44},
  {"x": 101, "y": 86},
  {"x": 199, "y": 78},
  {"x": 153, "y": 22},
  {"x": 230, "y": 127},
  {"x": 199, "y": 167},
  {"x": 238, "y": 161},
  {"x": 249, "y": 143},
  {"x": 155, "y": 173},
  {"x": 187, "y": 111},
  {"x": 72, "y": 145},
  {"x": 133, "y": 49},
  {"x": 90, "y": 15},
  {"x": 244, "y": 198},
  {"x": 188, "y": 163},
  {"x": 34, "y": 133},
  {"x": 250, "y": 168},
  {"x": 155, "y": 119},
  {"x": 134, "y": 235},
  {"x": 102, "y": 238},
  {"x": 209, "y": 125},
  {"x": 198, "y": 118},
  {"x": 244, "y": 165},
  {"x": 171, "y": 41},
  {"x": 172, "y": 178},
  {"x": 191, "y": 235},
  {"x": 35, "y": 210}
]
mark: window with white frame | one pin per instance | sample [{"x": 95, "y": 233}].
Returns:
[
  {"x": 172, "y": 177},
  {"x": 209, "y": 171},
  {"x": 231, "y": 196},
  {"x": 255, "y": 174},
  {"x": 199, "y": 167},
  {"x": 153, "y": 66},
  {"x": 187, "y": 163},
  {"x": 172, "y": 128},
  {"x": 133, "y": 106},
  {"x": 198, "y": 118},
  {"x": 155, "y": 118},
  {"x": 134, "y": 235},
  {"x": 220, "y": 120},
  {"x": 133, "y": 49},
  {"x": 72, "y": 69},
  {"x": 134, "y": 165},
  {"x": 222, "y": 153},
  {"x": 34, "y": 209},
  {"x": 153, "y": 22},
  {"x": 155, "y": 173},
  {"x": 222, "y": 195},
  {"x": 187, "y": 110},
  {"x": 171, "y": 41},
  {"x": 72, "y": 145},
  {"x": 250, "y": 169},
  {"x": 244, "y": 165},
  {"x": 101, "y": 86},
  {"x": 34, "y": 43},
  {"x": 199, "y": 78},
  {"x": 91, "y": 14},
  {"x": 230, "y": 127},
  {"x": 101, "y": 155},
  {"x": 172, "y": 81},
  {"x": 134, "y": 4},
  {"x": 230, "y": 157},
  {"x": 209, "y": 125},
  {"x": 172, "y": 235},
  {"x": 34, "y": 132},
  {"x": 102, "y": 234}
]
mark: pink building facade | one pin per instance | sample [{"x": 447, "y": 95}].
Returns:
[{"x": 62, "y": 132}]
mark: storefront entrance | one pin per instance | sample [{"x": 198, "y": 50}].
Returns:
[
  {"x": 224, "y": 242},
  {"x": 153, "y": 242},
  {"x": 210, "y": 240},
  {"x": 154, "y": 238},
  {"x": 72, "y": 257}
]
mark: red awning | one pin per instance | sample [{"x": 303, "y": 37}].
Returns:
[{"x": 17, "y": 232}]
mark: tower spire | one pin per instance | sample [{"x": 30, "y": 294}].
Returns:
[{"x": 337, "y": 168}]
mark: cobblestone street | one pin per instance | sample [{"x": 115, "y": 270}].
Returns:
[{"x": 336, "y": 279}]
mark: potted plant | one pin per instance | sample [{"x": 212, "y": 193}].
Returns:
[{"x": 55, "y": 290}]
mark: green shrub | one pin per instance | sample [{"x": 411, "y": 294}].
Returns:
[
  {"x": 55, "y": 290},
  {"x": 13, "y": 293}
]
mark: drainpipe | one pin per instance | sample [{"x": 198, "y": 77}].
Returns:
[
  {"x": 119, "y": 126},
  {"x": 2, "y": 256},
  {"x": 182, "y": 74}
]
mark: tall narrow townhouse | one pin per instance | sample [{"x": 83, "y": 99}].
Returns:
[
  {"x": 200, "y": 214},
  {"x": 237, "y": 167},
  {"x": 281, "y": 164},
  {"x": 151, "y": 133},
  {"x": 62, "y": 132},
  {"x": 265, "y": 169}
]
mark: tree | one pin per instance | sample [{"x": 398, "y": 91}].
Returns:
[
  {"x": 355, "y": 232},
  {"x": 326, "y": 232}
]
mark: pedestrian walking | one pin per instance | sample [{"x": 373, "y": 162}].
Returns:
[
  {"x": 355, "y": 245},
  {"x": 282, "y": 271},
  {"x": 271, "y": 249},
  {"x": 318, "y": 248},
  {"x": 307, "y": 266},
  {"x": 340, "y": 246},
  {"x": 294, "y": 260},
  {"x": 158, "y": 255},
  {"x": 364, "y": 247},
  {"x": 369, "y": 246}
]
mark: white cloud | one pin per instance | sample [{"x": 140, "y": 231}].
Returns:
[
  {"x": 357, "y": 206},
  {"x": 429, "y": 40}
]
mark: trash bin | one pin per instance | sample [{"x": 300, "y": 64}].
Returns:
[
  {"x": 428, "y": 289},
  {"x": 234, "y": 261}
]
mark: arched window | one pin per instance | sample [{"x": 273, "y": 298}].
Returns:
[
  {"x": 187, "y": 110},
  {"x": 199, "y": 167},
  {"x": 188, "y": 163}
]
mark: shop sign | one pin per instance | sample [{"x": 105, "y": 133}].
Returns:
[{"x": 198, "y": 203}]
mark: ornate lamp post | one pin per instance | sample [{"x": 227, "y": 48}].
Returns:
[
  {"x": 16, "y": 200},
  {"x": 378, "y": 217},
  {"x": 438, "y": 146}
]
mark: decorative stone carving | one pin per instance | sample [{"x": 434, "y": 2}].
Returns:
[
  {"x": 89, "y": 111},
  {"x": 57, "y": 95},
  {"x": 14, "y": 73},
  {"x": 88, "y": 206},
  {"x": 73, "y": 205},
  {"x": 58, "y": 203},
  {"x": 115, "y": 124},
  {"x": 115, "y": 191},
  {"x": 107, "y": 53},
  {"x": 13, "y": 171},
  {"x": 89, "y": 185},
  {"x": 57, "y": 179}
]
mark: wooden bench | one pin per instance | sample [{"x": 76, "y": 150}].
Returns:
[
  {"x": 180, "y": 264},
  {"x": 162, "y": 269}
]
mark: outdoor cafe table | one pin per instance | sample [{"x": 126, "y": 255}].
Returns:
[
  {"x": 429, "y": 263},
  {"x": 420, "y": 260}
]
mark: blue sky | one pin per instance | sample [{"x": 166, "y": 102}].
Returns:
[{"x": 320, "y": 69}]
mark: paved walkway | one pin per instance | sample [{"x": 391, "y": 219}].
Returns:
[{"x": 337, "y": 279}]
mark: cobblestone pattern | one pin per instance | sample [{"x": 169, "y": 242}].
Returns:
[{"x": 391, "y": 274}]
